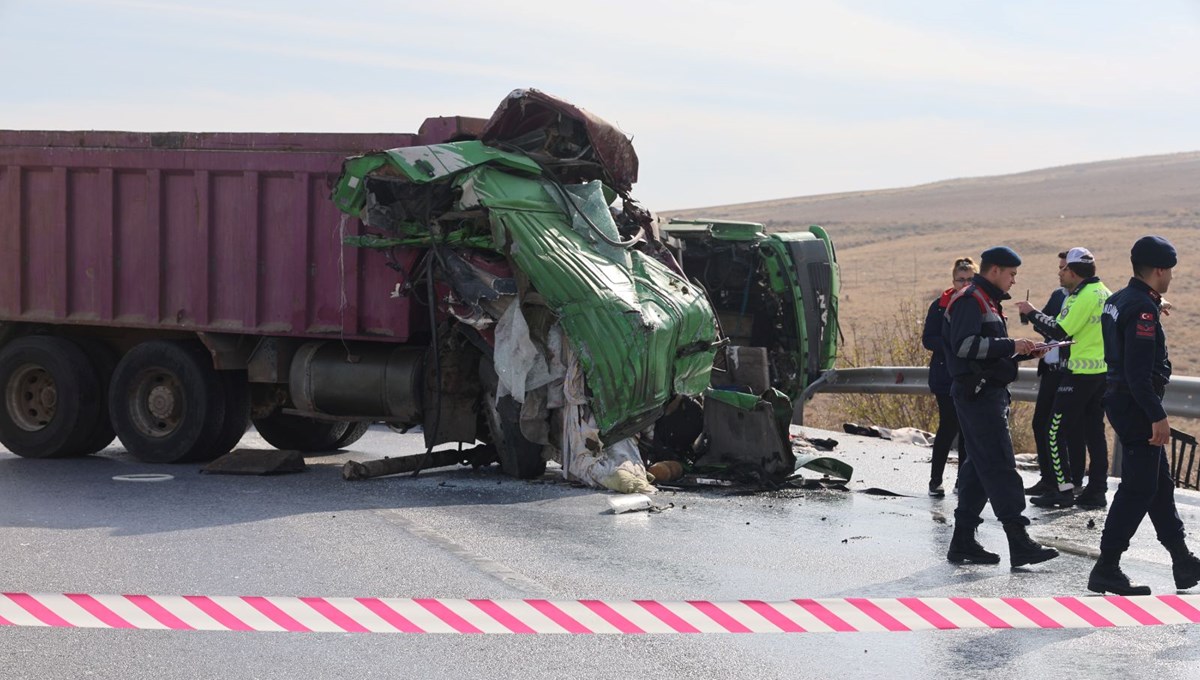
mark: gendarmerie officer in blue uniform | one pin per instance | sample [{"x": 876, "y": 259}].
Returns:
[
  {"x": 982, "y": 361},
  {"x": 1135, "y": 350}
]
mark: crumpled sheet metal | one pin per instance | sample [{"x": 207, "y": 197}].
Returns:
[
  {"x": 527, "y": 110},
  {"x": 419, "y": 165},
  {"x": 642, "y": 332},
  {"x": 628, "y": 326}
]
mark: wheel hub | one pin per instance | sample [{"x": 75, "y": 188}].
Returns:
[
  {"x": 161, "y": 402},
  {"x": 31, "y": 397},
  {"x": 156, "y": 403}
]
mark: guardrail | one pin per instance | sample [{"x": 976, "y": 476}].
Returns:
[{"x": 1182, "y": 398}]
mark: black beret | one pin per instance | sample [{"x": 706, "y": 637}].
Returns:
[
  {"x": 1153, "y": 251},
  {"x": 1002, "y": 256}
]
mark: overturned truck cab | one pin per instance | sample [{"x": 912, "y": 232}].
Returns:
[{"x": 776, "y": 299}]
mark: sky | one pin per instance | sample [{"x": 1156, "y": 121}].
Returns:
[{"x": 727, "y": 102}]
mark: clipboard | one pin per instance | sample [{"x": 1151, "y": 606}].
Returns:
[{"x": 1052, "y": 344}]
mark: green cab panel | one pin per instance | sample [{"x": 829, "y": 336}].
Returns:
[{"x": 777, "y": 290}]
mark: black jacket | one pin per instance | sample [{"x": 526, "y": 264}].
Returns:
[
  {"x": 931, "y": 337},
  {"x": 975, "y": 335},
  {"x": 1135, "y": 347}
]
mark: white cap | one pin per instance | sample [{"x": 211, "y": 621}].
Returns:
[{"x": 1080, "y": 255}]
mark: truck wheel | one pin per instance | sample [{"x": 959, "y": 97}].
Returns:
[
  {"x": 51, "y": 397},
  {"x": 237, "y": 414},
  {"x": 167, "y": 402},
  {"x": 353, "y": 433},
  {"x": 104, "y": 362},
  {"x": 297, "y": 433},
  {"x": 518, "y": 456}
]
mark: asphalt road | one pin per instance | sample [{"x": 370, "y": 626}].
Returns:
[{"x": 67, "y": 526}]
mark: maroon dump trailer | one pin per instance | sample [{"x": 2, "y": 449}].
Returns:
[{"x": 189, "y": 270}]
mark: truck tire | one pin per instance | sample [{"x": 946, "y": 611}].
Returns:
[
  {"x": 237, "y": 414},
  {"x": 353, "y": 434},
  {"x": 297, "y": 433},
  {"x": 51, "y": 398},
  {"x": 518, "y": 456},
  {"x": 167, "y": 402},
  {"x": 104, "y": 362}
]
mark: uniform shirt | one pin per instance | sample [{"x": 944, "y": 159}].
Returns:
[
  {"x": 1053, "y": 306},
  {"x": 1079, "y": 320},
  {"x": 975, "y": 334},
  {"x": 1135, "y": 347}
]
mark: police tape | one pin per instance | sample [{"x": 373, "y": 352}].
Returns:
[{"x": 587, "y": 617}]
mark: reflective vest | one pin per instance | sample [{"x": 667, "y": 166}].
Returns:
[{"x": 1080, "y": 320}]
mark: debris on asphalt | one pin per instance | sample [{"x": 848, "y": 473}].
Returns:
[
  {"x": 256, "y": 462},
  {"x": 629, "y": 503}
]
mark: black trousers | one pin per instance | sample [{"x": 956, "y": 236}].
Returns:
[
  {"x": 1146, "y": 486},
  {"x": 1077, "y": 428},
  {"x": 947, "y": 430},
  {"x": 1047, "y": 387},
  {"x": 990, "y": 472}
]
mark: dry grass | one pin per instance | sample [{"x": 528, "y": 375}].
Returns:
[{"x": 895, "y": 247}]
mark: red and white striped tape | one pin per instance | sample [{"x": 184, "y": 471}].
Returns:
[{"x": 397, "y": 615}]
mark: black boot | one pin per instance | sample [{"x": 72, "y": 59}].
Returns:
[
  {"x": 1092, "y": 497},
  {"x": 1184, "y": 565},
  {"x": 1024, "y": 550},
  {"x": 1107, "y": 577},
  {"x": 1054, "y": 499},
  {"x": 965, "y": 549},
  {"x": 1042, "y": 486}
]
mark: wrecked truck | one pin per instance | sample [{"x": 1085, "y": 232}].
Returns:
[{"x": 488, "y": 281}]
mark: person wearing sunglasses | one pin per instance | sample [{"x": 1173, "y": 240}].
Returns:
[{"x": 961, "y": 273}]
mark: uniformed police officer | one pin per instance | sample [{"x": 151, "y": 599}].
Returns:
[
  {"x": 1135, "y": 350},
  {"x": 982, "y": 361},
  {"x": 1077, "y": 418}
]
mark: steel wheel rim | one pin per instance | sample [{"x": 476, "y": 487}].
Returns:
[
  {"x": 31, "y": 397},
  {"x": 156, "y": 403}
]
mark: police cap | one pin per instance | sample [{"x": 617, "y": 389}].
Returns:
[
  {"x": 1001, "y": 256},
  {"x": 1153, "y": 251}
]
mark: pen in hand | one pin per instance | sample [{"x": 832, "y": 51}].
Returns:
[{"x": 1025, "y": 319}]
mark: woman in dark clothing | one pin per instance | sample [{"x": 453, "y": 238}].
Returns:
[{"x": 939, "y": 378}]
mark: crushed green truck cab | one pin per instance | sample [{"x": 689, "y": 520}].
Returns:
[{"x": 580, "y": 325}]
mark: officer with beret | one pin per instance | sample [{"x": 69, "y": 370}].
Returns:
[
  {"x": 982, "y": 361},
  {"x": 1135, "y": 351}
]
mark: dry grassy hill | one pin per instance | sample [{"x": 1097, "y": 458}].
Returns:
[{"x": 898, "y": 244}]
